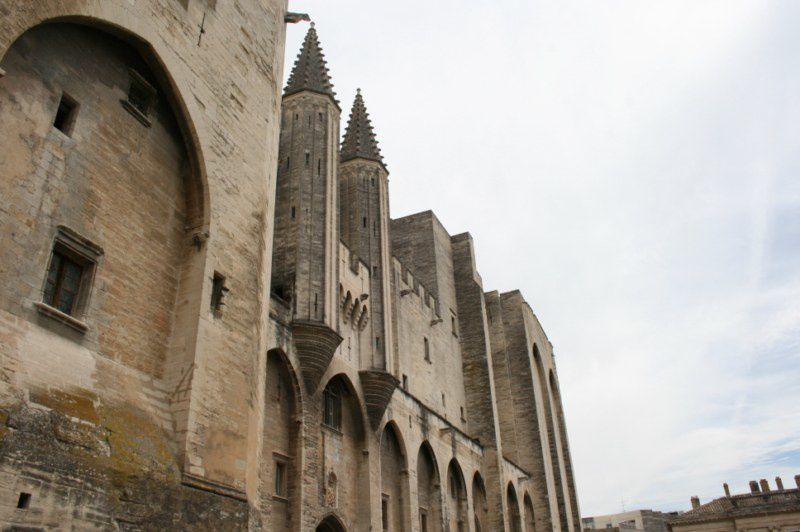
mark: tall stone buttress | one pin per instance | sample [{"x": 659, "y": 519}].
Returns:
[
  {"x": 306, "y": 244},
  {"x": 364, "y": 201}
]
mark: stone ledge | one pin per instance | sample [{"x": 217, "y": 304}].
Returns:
[
  {"x": 200, "y": 483},
  {"x": 53, "y": 313}
]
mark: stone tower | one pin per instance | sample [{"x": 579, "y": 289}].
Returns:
[
  {"x": 306, "y": 244},
  {"x": 364, "y": 200}
]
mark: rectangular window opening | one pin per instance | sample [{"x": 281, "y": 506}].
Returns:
[
  {"x": 423, "y": 520},
  {"x": 377, "y": 342},
  {"x": 218, "y": 293},
  {"x": 462, "y": 414},
  {"x": 427, "y": 348},
  {"x": 280, "y": 478},
  {"x": 405, "y": 381},
  {"x": 65, "y": 114},
  {"x": 69, "y": 274},
  {"x": 141, "y": 97},
  {"x": 308, "y": 159},
  {"x": 319, "y": 167},
  {"x": 293, "y": 213},
  {"x": 385, "y": 513},
  {"x": 332, "y": 408},
  {"x": 24, "y": 501},
  {"x": 444, "y": 403},
  {"x": 364, "y": 221}
]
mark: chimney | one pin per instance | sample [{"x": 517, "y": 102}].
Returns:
[
  {"x": 727, "y": 489},
  {"x": 764, "y": 485},
  {"x": 754, "y": 486},
  {"x": 695, "y": 502},
  {"x": 779, "y": 483}
]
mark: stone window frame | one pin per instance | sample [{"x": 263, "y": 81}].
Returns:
[
  {"x": 145, "y": 89},
  {"x": 87, "y": 254},
  {"x": 281, "y": 463}
]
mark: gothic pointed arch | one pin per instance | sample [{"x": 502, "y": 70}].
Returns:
[
  {"x": 331, "y": 523},
  {"x": 344, "y": 482},
  {"x": 480, "y": 506},
  {"x": 429, "y": 496},
  {"x": 530, "y": 521},
  {"x": 130, "y": 178},
  {"x": 565, "y": 453},
  {"x": 457, "y": 503},
  {"x": 551, "y": 443},
  {"x": 280, "y": 471},
  {"x": 512, "y": 503},
  {"x": 394, "y": 480}
]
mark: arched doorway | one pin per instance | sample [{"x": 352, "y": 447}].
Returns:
[
  {"x": 345, "y": 480},
  {"x": 393, "y": 481},
  {"x": 530, "y": 522},
  {"x": 513, "y": 509},
  {"x": 456, "y": 497},
  {"x": 429, "y": 496},
  {"x": 331, "y": 524},
  {"x": 480, "y": 507},
  {"x": 279, "y": 469}
]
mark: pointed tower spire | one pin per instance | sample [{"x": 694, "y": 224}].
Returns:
[
  {"x": 359, "y": 138},
  {"x": 310, "y": 72}
]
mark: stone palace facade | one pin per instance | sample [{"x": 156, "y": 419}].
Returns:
[{"x": 208, "y": 318}]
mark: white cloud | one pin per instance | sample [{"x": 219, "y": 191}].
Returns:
[{"x": 633, "y": 168}]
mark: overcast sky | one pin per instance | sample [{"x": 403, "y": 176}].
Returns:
[{"x": 634, "y": 168}]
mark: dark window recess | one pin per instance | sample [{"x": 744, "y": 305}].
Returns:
[
  {"x": 293, "y": 212},
  {"x": 374, "y": 271},
  {"x": 444, "y": 403},
  {"x": 377, "y": 342},
  {"x": 332, "y": 407},
  {"x": 385, "y": 513},
  {"x": 63, "y": 282},
  {"x": 288, "y": 162},
  {"x": 141, "y": 97},
  {"x": 453, "y": 325},
  {"x": 319, "y": 167},
  {"x": 320, "y": 116},
  {"x": 218, "y": 293},
  {"x": 65, "y": 115},
  {"x": 315, "y": 303},
  {"x": 280, "y": 479},
  {"x": 462, "y": 414},
  {"x": 308, "y": 159},
  {"x": 24, "y": 501},
  {"x": 373, "y": 181},
  {"x": 364, "y": 221},
  {"x": 427, "y": 349},
  {"x": 423, "y": 520},
  {"x": 405, "y": 381}
]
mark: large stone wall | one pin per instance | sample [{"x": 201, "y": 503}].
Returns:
[
  {"x": 141, "y": 409},
  {"x": 152, "y": 408}
]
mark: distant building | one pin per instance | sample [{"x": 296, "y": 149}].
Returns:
[
  {"x": 648, "y": 520},
  {"x": 761, "y": 509}
]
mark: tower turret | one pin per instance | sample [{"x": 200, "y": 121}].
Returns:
[
  {"x": 306, "y": 211},
  {"x": 364, "y": 201}
]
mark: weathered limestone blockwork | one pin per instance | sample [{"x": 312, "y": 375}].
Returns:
[{"x": 207, "y": 381}]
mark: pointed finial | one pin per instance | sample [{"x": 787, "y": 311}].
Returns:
[
  {"x": 359, "y": 137},
  {"x": 310, "y": 72},
  {"x": 313, "y": 25}
]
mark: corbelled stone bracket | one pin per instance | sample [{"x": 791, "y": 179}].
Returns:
[
  {"x": 315, "y": 343},
  {"x": 378, "y": 387}
]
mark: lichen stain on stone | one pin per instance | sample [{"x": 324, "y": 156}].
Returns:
[
  {"x": 138, "y": 446},
  {"x": 79, "y": 403}
]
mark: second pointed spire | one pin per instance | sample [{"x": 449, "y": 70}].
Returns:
[{"x": 359, "y": 137}]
